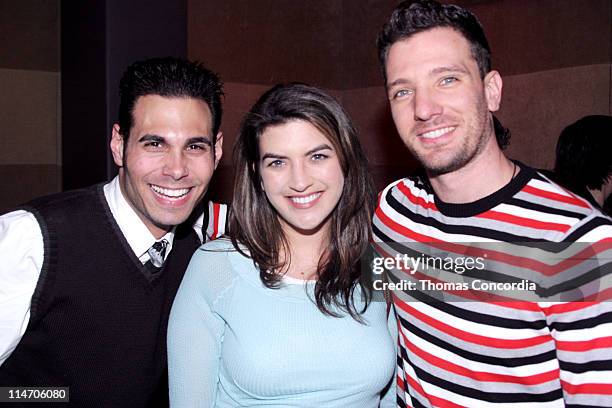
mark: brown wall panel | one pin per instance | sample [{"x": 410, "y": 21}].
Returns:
[
  {"x": 528, "y": 36},
  {"x": 29, "y": 120},
  {"x": 524, "y": 35},
  {"x": 332, "y": 43},
  {"x": 268, "y": 41},
  {"x": 369, "y": 110},
  {"x": 29, "y": 34},
  {"x": 362, "y": 20},
  {"x": 28, "y": 182},
  {"x": 537, "y": 106},
  {"x": 238, "y": 100},
  {"x": 553, "y": 54}
]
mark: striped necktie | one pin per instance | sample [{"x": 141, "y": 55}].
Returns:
[{"x": 157, "y": 253}]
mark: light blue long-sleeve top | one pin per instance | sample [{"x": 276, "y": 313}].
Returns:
[{"x": 232, "y": 342}]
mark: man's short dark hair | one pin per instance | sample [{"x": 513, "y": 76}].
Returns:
[
  {"x": 411, "y": 17},
  {"x": 584, "y": 153},
  {"x": 169, "y": 77}
]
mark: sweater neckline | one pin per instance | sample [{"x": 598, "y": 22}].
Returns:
[
  {"x": 248, "y": 271},
  {"x": 484, "y": 204},
  {"x": 116, "y": 230}
]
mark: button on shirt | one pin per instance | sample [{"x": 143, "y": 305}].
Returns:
[{"x": 22, "y": 255}]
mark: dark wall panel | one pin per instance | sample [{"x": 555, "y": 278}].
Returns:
[
  {"x": 84, "y": 91},
  {"x": 29, "y": 34},
  {"x": 99, "y": 40}
]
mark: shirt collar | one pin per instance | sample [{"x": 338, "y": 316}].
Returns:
[{"x": 133, "y": 229}]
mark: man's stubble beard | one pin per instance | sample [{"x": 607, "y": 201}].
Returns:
[{"x": 467, "y": 150}]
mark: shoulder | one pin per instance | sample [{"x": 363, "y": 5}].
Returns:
[
  {"x": 18, "y": 219},
  {"x": 19, "y": 226},
  {"x": 392, "y": 186},
  {"x": 223, "y": 251},
  {"x": 415, "y": 184},
  {"x": 58, "y": 200},
  {"x": 219, "y": 255},
  {"x": 544, "y": 188},
  {"x": 586, "y": 223},
  {"x": 410, "y": 194},
  {"x": 65, "y": 207},
  {"x": 211, "y": 272},
  {"x": 222, "y": 245}
]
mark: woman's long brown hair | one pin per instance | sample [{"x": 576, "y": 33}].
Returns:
[{"x": 254, "y": 223}]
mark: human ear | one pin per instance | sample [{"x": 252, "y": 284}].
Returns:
[
  {"x": 116, "y": 145},
  {"x": 493, "y": 85},
  {"x": 218, "y": 148}
]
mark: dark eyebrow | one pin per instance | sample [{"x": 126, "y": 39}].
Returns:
[
  {"x": 323, "y": 146},
  {"x": 399, "y": 81},
  {"x": 272, "y": 156},
  {"x": 435, "y": 71},
  {"x": 200, "y": 139},
  {"x": 151, "y": 138},
  {"x": 451, "y": 68},
  {"x": 156, "y": 138}
]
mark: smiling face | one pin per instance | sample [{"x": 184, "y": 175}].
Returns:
[
  {"x": 440, "y": 105},
  {"x": 167, "y": 162},
  {"x": 301, "y": 175}
]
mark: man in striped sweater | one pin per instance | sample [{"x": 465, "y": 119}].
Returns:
[{"x": 477, "y": 351}]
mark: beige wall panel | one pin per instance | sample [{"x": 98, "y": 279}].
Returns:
[
  {"x": 22, "y": 183},
  {"x": 29, "y": 120},
  {"x": 537, "y": 106}
]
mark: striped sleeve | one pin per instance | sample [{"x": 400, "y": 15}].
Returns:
[
  {"x": 582, "y": 331},
  {"x": 217, "y": 219},
  {"x": 212, "y": 223}
]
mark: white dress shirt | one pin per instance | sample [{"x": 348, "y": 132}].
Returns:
[{"x": 22, "y": 255}]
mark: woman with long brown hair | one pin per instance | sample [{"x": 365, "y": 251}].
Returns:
[{"x": 279, "y": 315}]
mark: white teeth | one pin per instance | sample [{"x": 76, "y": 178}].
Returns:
[
  {"x": 174, "y": 193},
  {"x": 305, "y": 200},
  {"x": 437, "y": 133}
]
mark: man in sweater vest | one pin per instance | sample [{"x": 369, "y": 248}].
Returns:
[
  {"x": 88, "y": 277},
  {"x": 463, "y": 346}
]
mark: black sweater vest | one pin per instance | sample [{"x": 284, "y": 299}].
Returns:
[{"x": 98, "y": 324}]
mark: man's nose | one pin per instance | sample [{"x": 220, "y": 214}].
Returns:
[
  {"x": 175, "y": 165},
  {"x": 426, "y": 105}
]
